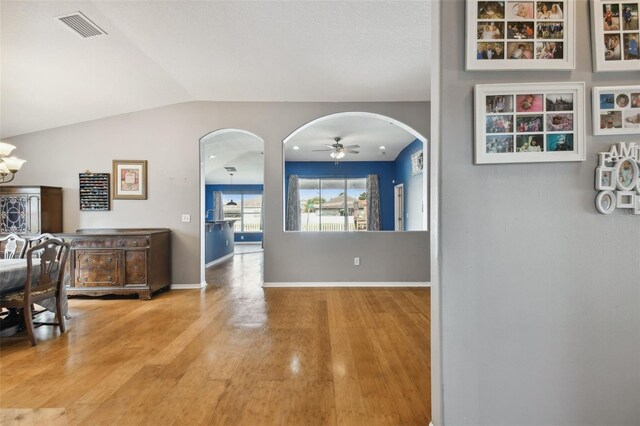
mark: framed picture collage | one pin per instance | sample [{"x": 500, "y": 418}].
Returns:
[
  {"x": 616, "y": 34},
  {"x": 616, "y": 110},
  {"x": 535, "y": 122},
  {"x": 541, "y": 122},
  {"x": 524, "y": 34}
]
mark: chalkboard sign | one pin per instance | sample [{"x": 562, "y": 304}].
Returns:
[{"x": 94, "y": 192}]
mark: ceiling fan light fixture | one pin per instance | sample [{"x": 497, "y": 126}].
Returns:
[{"x": 337, "y": 154}]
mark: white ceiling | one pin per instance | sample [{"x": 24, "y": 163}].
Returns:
[
  {"x": 233, "y": 148},
  {"x": 369, "y": 131},
  {"x": 164, "y": 52}
]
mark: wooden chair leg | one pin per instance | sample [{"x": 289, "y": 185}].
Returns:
[
  {"x": 60, "y": 315},
  {"x": 28, "y": 322}
]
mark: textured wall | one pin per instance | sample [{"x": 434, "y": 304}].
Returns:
[
  {"x": 168, "y": 138},
  {"x": 541, "y": 294}
]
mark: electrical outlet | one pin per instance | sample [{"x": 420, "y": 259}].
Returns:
[
  {"x": 227, "y": 243},
  {"x": 186, "y": 218},
  {"x": 356, "y": 261},
  {"x": 242, "y": 237}
]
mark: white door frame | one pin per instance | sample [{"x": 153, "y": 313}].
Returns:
[
  {"x": 437, "y": 405},
  {"x": 398, "y": 207}
]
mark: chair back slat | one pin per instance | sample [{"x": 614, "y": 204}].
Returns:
[
  {"x": 39, "y": 239},
  {"x": 53, "y": 255},
  {"x": 12, "y": 246}
]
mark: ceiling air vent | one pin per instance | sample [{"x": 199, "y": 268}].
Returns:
[
  {"x": 231, "y": 169},
  {"x": 81, "y": 24}
]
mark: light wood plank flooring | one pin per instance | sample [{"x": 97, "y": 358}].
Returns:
[{"x": 233, "y": 354}]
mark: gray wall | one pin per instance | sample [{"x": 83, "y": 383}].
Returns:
[
  {"x": 168, "y": 138},
  {"x": 540, "y": 293}
]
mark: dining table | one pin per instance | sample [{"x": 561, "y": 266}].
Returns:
[{"x": 13, "y": 274}]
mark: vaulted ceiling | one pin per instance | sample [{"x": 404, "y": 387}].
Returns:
[{"x": 158, "y": 53}]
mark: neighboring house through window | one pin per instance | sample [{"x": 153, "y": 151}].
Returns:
[{"x": 333, "y": 204}]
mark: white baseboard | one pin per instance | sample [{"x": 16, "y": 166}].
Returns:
[
  {"x": 188, "y": 286},
  {"x": 348, "y": 284},
  {"x": 255, "y": 243},
  {"x": 219, "y": 260}
]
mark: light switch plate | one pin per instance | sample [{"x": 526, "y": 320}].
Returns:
[{"x": 186, "y": 218}]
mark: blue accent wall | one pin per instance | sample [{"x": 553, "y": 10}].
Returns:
[
  {"x": 386, "y": 171},
  {"x": 236, "y": 189},
  {"x": 413, "y": 202},
  {"x": 215, "y": 241}
]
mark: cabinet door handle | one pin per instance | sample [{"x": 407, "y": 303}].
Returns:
[
  {"x": 109, "y": 259},
  {"x": 135, "y": 244},
  {"x": 109, "y": 278}
]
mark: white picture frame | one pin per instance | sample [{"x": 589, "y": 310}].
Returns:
[
  {"x": 619, "y": 167},
  {"x": 606, "y": 178},
  {"x": 606, "y": 202},
  {"x": 612, "y": 32},
  {"x": 529, "y": 122},
  {"x": 502, "y": 36},
  {"x": 616, "y": 110}
]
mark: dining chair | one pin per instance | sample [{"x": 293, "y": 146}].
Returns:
[
  {"x": 39, "y": 239},
  {"x": 34, "y": 241},
  {"x": 43, "y": 283},
  {"x": 12, "y": 246}
]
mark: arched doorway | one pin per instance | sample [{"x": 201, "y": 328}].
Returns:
[{"x": 232, "y": 187}]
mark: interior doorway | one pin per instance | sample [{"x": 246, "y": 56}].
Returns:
[{"x": 232, "y": 197}]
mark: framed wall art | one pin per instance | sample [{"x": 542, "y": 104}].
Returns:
[
  {"x": 94, "y": 192},
  {"x": 616, "y": 110},
  {"x": 618, "y": 178},
  {"x": 520, "y": 35},
  {"x": 615, "y": 35},
  {"x": 417, "y": 163},
  {"x": 130, "y": 179},
  {"x": 529, "y": 122}
]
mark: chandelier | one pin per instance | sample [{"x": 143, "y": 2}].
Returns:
[{"x": 9, "y": 166}]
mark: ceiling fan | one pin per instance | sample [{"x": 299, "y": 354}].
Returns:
[{"x": 339, "y": 150}]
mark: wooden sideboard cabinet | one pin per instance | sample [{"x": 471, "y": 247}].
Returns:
[
  {"x": 29, "y": 210},
  {"x": 119, "y": 261}
]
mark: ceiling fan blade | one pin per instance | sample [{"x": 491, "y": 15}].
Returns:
[
  {"x": 351, "y": 146},
  {"x": 330, "y": 146},
  {"x": 350, "y": 151},
  {"x": 321, "y": 150}
]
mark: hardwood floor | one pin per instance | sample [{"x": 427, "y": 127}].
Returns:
[{"x": 233, "y": 354}]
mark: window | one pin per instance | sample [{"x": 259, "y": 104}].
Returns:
[
  {"x": 247, "y": 211},
  {"x": 333, "y": 204}
]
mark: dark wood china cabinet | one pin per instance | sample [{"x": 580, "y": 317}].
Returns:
[{"x": 30, "y": 210}]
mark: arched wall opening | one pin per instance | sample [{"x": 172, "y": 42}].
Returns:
[
  {"x": 231, "y": 194},
  {"x": 328, "y": 164}
]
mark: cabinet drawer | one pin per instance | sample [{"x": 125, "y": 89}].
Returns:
[
  {"x": 110, "y": 242},
  {"x": 97, "y": 268}
]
